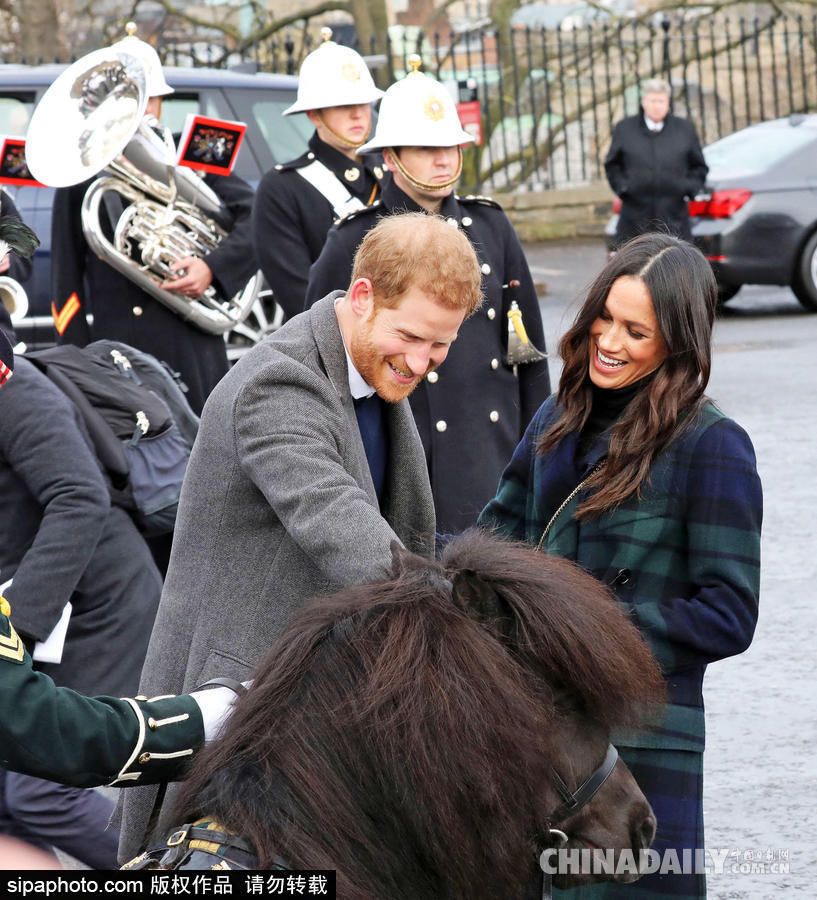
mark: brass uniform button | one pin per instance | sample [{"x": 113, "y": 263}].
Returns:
[
  {"x": 310, "y": 155},
  {"x": 352, "y": 174},
  {"x": 490, "y": 312},
  {"x": 486, "y": 269},
  {"x": 144, "y": 758},
  {"x": 432, "y": 377},
  {"x": 141, "y": 697},
  {"x": 451, "y": 221},
  {"x": 442, "y": 425},
  {"x": 493, "y": 415},
  {"x": 378, "y": 172},
  {"x": 137, "y": 310},
  {"x": 494, "y": 363},
  {"x": 278, "y": 167},
  {"x": 152, "y": 723},
  {"x": 466, "y": 221}
]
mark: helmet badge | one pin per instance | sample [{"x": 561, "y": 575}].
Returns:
[
  {"x": 434, "y": 108},
  {"x": 350, "y": 71}
]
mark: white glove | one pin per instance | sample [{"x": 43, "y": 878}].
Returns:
[{"x": 216, "y": 705}]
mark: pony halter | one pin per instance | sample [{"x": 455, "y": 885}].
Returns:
[{"x": 573, "y": 801}]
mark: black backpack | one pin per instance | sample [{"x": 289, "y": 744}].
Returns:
[{"x": 138, "y": 419}]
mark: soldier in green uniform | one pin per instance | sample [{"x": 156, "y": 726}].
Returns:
[{"x": 55, "y": 733}]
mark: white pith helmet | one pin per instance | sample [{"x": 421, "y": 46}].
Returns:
[
  {"x": 417, "y": 111},
  {"x": 155, "y": 83},
  {"x": 333, "y": 75}
]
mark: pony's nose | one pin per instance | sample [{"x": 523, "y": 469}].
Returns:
[{"x": 644, "y": 833}]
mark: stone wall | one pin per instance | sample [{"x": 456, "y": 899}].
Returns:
[{"x": 547, "y": 215}]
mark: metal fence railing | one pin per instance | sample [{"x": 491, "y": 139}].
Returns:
[{"x": 550, "y": 97}]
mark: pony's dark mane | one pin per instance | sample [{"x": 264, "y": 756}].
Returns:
[
  {"x": 398, "y": 732},
  {"x": 568, "y": 623}
]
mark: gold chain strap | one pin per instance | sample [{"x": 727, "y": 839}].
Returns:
[{"x": 567, "y": 500}]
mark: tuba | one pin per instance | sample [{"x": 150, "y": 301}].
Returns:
[
  {"x": 14, "y": 298},
  {"x": 91, "y": 121}
]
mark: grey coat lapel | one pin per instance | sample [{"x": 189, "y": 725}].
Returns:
[
  {"x": 329, "y": 342},
  {"x": 408, "y": 509}
]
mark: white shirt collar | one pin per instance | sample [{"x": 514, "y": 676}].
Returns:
[
  {"x": 358, "y": 387},
  {"x": 653, "y": 126}
]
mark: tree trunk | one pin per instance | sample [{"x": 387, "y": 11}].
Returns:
[
  {"x": 371, "y": 22},
  {"x": 39, "y": 35}
]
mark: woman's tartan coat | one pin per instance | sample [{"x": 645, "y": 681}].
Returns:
[{"x": 684, "y": 561}]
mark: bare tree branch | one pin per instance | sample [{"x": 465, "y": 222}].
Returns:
[
  {"x": 260, "y": 33},
  {"x": 436, "y": 12}
]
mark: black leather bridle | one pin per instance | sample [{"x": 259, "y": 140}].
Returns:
[{"x": 573, "y": 801}]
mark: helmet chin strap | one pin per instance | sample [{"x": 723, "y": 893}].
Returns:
[
  {"x": 338, "y": 135},
  {"x": 425, "y": 185}
]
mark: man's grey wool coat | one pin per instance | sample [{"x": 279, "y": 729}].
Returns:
[{"x": 278, "y": 505}]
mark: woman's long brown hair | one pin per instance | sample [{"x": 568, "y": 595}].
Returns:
[{"x": 684, "y": 294}]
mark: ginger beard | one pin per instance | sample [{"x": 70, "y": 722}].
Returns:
[{"x": 390, "y": 376}]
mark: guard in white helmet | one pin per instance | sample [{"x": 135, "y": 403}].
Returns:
[
  {"x": 473, "y": 410},
  {"x": 297, "y": 202},
  {"x": 83, "y": 285}
]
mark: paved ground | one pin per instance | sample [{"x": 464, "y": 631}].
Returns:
[{"x": 761, "y": 760}]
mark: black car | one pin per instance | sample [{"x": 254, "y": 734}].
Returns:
[
  {"x": 256, "y": 99},
  {"x": 757, "y": 221}
]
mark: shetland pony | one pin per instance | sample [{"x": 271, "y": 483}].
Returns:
[{"x": 409, "y": 734}]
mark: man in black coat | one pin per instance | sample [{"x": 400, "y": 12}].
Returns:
[
  {"x": 297, "y": 202},
  {"x": 655, "y": 165},
  {"x": 83, "y": 284},
  {"x": 473, "y": 410}
]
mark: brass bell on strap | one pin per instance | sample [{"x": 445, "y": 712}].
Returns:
[{"x": 520, "y": 348}]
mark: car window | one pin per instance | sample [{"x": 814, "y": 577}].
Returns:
[
  {"x": 176, "y": 107},
  {"x": 15, "y": 111},
  {"x": 757, "y": 149},
  {"x": 284, "y": 137}
]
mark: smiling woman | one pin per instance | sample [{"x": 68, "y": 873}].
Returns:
[
  {"x": 631, "y": 471},
  {"x": 625, "y": 341}
]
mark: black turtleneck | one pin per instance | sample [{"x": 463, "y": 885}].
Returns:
[{"x": 608, "y": 405}]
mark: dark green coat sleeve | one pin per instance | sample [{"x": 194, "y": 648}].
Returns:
[{"x": 55, "y": 733}]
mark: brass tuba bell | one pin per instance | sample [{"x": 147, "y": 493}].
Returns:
[
  {"x": 14, "y": 298},
  {"x": 16, "y": 236},
  {"x": 91, "y": 119}
]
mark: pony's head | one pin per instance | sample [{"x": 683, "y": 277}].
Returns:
[
  {"x": 565, "y": 626},
  {"x": 413, "y": 734}
]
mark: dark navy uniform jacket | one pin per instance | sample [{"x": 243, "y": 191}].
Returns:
[
  {"x": 124, "y": 312},
  {"x": 473, "y": 410},
  {"x": 61, "y": 540},
  {"x": 52, "y": 732},
  {"x": 291, "y": 218}
]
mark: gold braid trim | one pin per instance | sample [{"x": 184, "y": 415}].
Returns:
[
  {"x": 340, "y": 137},
  {"x": 425, "y": 185}
]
